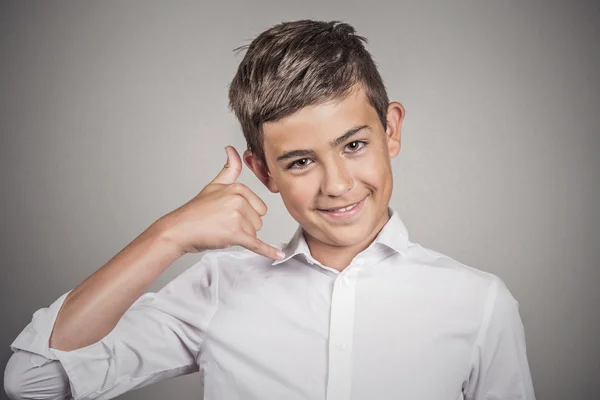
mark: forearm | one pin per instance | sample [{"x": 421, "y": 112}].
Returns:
[{"x": 93, "y": 308}]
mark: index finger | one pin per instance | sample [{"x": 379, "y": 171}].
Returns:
[{"x": 257, "y": 246}]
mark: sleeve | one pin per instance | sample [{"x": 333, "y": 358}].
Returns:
[
  {"x": 32, "y": 376},
  {"x": 158, "y": 337},
  {"x": 500, "y": 370}
]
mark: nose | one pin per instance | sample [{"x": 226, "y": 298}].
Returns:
[{"x": 337, "y": 179}]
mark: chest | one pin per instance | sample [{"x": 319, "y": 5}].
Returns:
[{"x": 336, "y": 339}]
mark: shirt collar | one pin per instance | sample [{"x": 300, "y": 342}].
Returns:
[{"x": 393, "y": 235}]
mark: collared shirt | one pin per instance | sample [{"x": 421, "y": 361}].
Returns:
[{"x": 401, "y": 321}]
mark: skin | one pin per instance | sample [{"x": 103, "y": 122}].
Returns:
[{"x": 326, "y": 176}]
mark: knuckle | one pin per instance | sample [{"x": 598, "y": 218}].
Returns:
[
  {"x": 237, "y": 187},
  {"x": 235, "y": 215},
  {"x": 235, "y": 201},
  {"x": 239, "y": 200},
  {"x": 238, "y": 215}
]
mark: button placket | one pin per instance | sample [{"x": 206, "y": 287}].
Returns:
[{"x": 341, "y": 333}]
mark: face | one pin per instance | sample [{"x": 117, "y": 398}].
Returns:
[{"x": 331, "y": 165}]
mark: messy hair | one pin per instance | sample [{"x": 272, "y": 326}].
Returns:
[{"x": 297, "y": 64}]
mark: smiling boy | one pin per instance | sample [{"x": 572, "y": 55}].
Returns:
[{"x": 350, "y": 308}]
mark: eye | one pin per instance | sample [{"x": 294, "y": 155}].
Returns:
[
  {"x": 355, "y": 146},
  {"x": 301, "y": 163}
]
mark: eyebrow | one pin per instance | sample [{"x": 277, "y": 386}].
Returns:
[{"x": 310, "y": 153}]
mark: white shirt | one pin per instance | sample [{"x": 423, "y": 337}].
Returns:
[{"x": 400, "y": 322}]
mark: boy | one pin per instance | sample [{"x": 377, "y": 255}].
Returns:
[{"x": 349, "y": 309}]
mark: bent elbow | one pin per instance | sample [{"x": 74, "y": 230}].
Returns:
[
  {"x": 13, "y": 379},
  {"x": 25, "y": 379}
]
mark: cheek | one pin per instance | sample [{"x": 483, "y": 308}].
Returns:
[
  {"x": 373, "y": 169},
  {"x": 299, "y": 192}
]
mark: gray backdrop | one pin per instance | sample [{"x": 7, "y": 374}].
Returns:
[{"x": 114, "y": 113}]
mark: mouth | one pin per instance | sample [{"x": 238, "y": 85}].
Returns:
[{"x": 345, "y": 212}]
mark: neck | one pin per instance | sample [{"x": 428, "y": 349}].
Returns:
[{"x": 339, "y": 257}]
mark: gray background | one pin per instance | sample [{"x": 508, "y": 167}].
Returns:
[{"x": 114, "y": 113}]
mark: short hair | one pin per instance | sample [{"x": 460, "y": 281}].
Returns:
[{"x": 297, "y": 64}]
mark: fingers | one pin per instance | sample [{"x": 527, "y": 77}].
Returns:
[
  {"x": 230, "y": 173},
  {"x": 232, "y": 169},
  {"x": 252, "y": 209},
  {"x": 248, "y": 228},
  {"x": 257, "y": 204},
  {"x": 252, "y": 217},
  {"x": 257, "y": 246}
]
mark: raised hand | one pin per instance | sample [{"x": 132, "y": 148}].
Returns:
[{"x": 223, "y": 214}]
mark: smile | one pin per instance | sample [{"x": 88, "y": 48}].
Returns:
[
  {"x": 343, "y": 213},
  {"x": 347, "y": 208}
]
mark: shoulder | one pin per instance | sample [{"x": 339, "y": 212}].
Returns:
[
  {"x": 213, "y": 276},
  {"x": 436, "y": 262},
  {"x": 457, "y": 282},
  {"x": 227, "y": 264}
]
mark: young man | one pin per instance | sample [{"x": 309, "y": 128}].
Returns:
[{"x": 350, "y": 309}]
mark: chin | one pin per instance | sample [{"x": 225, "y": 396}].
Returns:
[{"x": 343, "y": 236}]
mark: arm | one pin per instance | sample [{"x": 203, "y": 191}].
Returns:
[
  {"x": 223, "y": 214},
  {"x": 106, "y": 336},
  {"x": 32, "y": 376},
  {"x": 93, "y": 308},
  {"x": 500, "y": 370},
  {"x": 160, "y": 336},
  {"x": 87, "y": 314}
]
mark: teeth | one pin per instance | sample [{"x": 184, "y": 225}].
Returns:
[{"x": 344, "y": 209}]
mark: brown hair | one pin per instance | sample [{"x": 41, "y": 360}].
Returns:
[{"x": 297, "y": 64}]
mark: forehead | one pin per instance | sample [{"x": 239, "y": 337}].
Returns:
[{"x": 317, "y": 125}]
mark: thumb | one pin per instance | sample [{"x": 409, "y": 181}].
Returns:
[{"x": 231, "y": 170}]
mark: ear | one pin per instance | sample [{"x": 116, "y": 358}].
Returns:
[
  {"x": 260, "y": 170},
  {"x": 395, "y": 116}
]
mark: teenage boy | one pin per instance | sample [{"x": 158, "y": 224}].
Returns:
[{"x": 350, "y": 309}]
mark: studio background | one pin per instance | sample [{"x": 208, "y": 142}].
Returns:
[{"x": 114, "y": 113}]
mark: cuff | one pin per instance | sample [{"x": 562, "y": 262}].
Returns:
[
  {"x": 82, "y": 366},
  {"x": 36, "y": 336},
  {"x": 87, "y": 367}
]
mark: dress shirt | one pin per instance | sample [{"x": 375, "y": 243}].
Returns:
[{"x": 400, "y": 322}]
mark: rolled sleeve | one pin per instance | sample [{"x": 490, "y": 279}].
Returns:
[
  {"x": 158, "y": 337},
  {"x": 32, "y": 376},
  {"x": 36, "y": 335},
  {"x": 500, "y": 370}
]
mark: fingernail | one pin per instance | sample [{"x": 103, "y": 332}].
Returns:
[{"x": 281, "y": 255}]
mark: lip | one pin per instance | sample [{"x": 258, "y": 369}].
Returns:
[{"x": 344, "y": 215}]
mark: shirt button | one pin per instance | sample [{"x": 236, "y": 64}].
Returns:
[{"x": 342, "y": 346}]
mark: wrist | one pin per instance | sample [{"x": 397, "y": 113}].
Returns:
[{"x": 163, "y": 230}]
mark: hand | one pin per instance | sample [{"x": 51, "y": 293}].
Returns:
[{"x": 225, "y": 213}]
